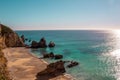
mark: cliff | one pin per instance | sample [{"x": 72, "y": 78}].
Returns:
[
  {"x": 4, "y": 74},
  {"x": 8, "y": 38}
]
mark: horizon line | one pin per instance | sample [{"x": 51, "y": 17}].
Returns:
[{"x": 59, "y": 29}]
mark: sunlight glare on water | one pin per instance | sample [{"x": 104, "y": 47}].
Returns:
[{"x": 116, "y": 53}]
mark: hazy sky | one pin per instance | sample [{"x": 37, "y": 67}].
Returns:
[{"x": 60, "y": 14}]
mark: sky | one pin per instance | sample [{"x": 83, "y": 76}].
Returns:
[{"x": 60, "y": 14}]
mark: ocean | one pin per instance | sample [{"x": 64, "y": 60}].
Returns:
[{"x": 97, "y": 51}]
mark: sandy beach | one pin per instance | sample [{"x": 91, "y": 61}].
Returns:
[{"x": 22, "y": 65}]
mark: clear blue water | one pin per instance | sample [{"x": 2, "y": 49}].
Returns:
[{"x": 97, "y": 51}]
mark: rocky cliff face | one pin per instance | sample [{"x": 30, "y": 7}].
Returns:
[
  {"x": 4, "y": 74},
  {"x": 8, "y": 38}
]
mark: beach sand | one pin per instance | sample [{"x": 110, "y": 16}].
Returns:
[{"x": 24, "y": 66}]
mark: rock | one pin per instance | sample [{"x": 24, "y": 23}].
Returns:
[
  {"x": 34, "y": 44},
  {"x": 42, "y": 43},
  {"x": 51, "y": 44},
  {"x": 58, "y": 56},
  {"x": 52, "y": 70},
  {"x": 72, "y": 64},
  {"x": 23, "y": 38},
  {"x": 29, "y": 41},
  {"x": 26, "y": 39},
  {"x": 8, "y": 38},
  {"x": 51, "y": 55}
]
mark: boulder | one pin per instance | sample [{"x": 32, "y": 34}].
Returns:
[
  {"x": 51, "y": 44},
  {"x": 58, "y": 56},
  {"x": 72, "y": 64},
  {"x": 8, "y": 38},
  {"x": 42, "y": 43},
  {"x": 52, "y": 70}
]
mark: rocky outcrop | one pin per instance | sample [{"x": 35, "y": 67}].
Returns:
[
  {"x": 8, "y": 38},
  {"x": 40, "y": 44},
  {"x": 51, "y": 44},
  {"x": 52, "y": 70}
]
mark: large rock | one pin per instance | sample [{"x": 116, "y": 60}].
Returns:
[
  {"x": 8, "y": 38},
  {"x": 52, "y": 70},
  {"x": 40, "y": 44},
  {"x": 34, "y": 44}
]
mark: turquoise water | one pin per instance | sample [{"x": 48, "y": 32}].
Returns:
[{"x": 98, "y": 52}]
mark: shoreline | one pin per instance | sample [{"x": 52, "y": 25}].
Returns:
[
  {"x": 21, "y": 64},
  {"x": 65, "y": 74}
]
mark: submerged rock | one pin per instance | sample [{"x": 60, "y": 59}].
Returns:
[
  {"x": 52, "y": 70},
  {"x": 8, "y": 38},
  {"x": 26, "y": 39},
  {"x": 29, "y": 41},
  {"x": 50, "y": 55},
  {"x": 58, "y": 56},
  {"x": 72, "y": 64},
  {"x": 51, "y": 44}
]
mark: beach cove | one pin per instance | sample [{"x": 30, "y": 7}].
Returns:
[{"x": 22, "y": 65}]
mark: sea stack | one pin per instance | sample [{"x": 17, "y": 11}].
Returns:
[{"x": 8, "y": 38}]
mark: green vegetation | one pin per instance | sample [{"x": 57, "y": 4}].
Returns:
[{"x": 3, "y": 67}]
